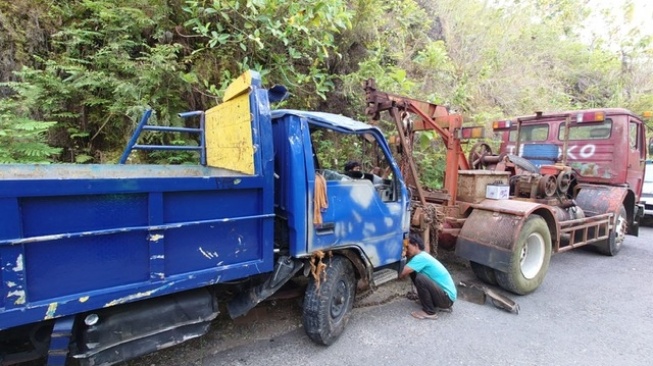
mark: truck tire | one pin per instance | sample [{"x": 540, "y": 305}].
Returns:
[
  {"x": 615, "y": 241},
  {"x": 327, "y": 306},
  {"x": 484, "y": 273},
  {"x": 530, "y": 258}
]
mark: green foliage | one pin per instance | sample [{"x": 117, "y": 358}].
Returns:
[
  {"x": 394, "y": 32},
  {"x": 93, "y": 66},
  {"x": 175, "y": 157},
  {"x": 334, "y": 150},
  {"x": 430, "y": 155},
  {"x": 101, "y": 73},
  {"x": 287, "y": 42},
  {"x": 22, "y": 139}
]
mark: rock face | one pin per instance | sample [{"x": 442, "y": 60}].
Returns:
[{"x": 25, "y": 28}]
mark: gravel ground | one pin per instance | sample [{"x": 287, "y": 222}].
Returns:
[{"x": 590, "y": 310}]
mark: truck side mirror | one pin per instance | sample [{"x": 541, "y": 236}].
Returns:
[
  {"x": 277, "y": 93},
  {"x": 650, "y": 145}
]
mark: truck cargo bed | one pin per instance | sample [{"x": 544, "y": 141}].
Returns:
[{"x": 81, "y": 237}]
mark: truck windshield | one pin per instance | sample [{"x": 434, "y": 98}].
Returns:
[
  {"x": 590, "y": 131},
  {"x": 531, "y": 133}
]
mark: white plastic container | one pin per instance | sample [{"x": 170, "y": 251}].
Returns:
[{"x": 497, "y": 191}]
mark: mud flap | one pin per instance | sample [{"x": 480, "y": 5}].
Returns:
[
  {"x": 284, "y": 270},
  {"x": 638, "y": 216},
  {"x": 479, "y": 294},
  {"x": 488, "y": 238}
]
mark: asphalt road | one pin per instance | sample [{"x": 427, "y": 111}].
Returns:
[{"x": 590, "y": 310}]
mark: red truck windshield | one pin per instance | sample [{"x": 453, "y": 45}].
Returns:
[{"x": 540, "y": 133}]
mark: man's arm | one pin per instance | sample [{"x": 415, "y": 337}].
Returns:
[{"x": 406, "y": 271}]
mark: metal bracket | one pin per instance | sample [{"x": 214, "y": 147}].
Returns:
[
  {"x": 479, "y": 294},
  {"x": 59, "y": 340}
]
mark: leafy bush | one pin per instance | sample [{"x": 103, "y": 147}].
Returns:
[
  {"x": 22, "y": 139},
  {"x": 93, "y": 66}
]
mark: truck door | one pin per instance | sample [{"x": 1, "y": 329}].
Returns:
[
  {"x": 361, "y": 209},
  {"x": 636, "y": 155}
]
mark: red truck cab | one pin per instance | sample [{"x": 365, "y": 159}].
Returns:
[{"x": 603, "y": 146}]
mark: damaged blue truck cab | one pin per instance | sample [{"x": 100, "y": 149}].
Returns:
[
  {"x": 361, "y": 210},
  {"x": 104, "y": 263}
]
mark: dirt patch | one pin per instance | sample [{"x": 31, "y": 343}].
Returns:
[{"x": 453, "y": 262}]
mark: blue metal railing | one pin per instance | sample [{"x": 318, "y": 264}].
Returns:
[{"x": 143, "y": 126}]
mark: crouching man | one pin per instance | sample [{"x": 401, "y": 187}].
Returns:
[{"x": 435, "y": 287}]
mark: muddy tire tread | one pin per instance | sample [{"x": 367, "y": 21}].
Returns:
[
  {"x": 513, "y": 280},
  {"x": 316, "y": 317},
  {"x": 608, "y": 247},
  {"x": 484, "y": 273}
]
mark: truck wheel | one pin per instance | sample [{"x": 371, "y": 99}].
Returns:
[
  {"x": 615, "y": 241},
  {"x": 484, "y": 273},
  {"x": 530, "y": 258},
  {"x": 327, "y": 307},
  {"x": 476, "y": 154}
]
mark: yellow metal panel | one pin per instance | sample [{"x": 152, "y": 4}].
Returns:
[
  {"x": 229, "y": 134},
  {"x": 238, "y": 86}
]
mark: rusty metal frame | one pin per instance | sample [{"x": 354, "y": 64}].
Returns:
[
  {"x": 429, "y": 117},
  {"x": 591, "y": 230}
]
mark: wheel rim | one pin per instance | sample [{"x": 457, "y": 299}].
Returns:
[
  {"x": 339, "y": 300},
  {"x": 478, "y": 151},
  {"x": 620, "y": 230},
  {"x": 532, "y": 256}
]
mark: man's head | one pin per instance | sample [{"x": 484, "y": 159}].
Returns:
[
  {"x": 415, "y": 245},
  {"x": 353, "y": 166}
]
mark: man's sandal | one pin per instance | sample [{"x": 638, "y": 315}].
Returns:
[{"x": 423, "y": 315}]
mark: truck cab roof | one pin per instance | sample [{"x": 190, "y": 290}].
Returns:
[
  {"x": 556, "y": 115},
  {"x": 328, "y": 120}
]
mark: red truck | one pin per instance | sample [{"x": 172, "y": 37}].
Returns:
[
  {"x": 606, "y": 149},
  {"x": 559, "y": 181}
]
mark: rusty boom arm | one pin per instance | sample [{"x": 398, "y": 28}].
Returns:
[{"x": 429, "y": 116}]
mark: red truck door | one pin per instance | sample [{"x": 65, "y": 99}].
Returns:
[{"x": 636, "y": 155}]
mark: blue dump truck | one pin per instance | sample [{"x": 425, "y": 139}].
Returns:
[{"x": 104, "y": 263}]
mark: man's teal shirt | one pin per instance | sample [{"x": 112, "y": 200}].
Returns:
[{"x": 433, "y": 269}]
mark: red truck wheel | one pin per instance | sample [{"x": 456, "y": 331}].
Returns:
[
  {"x": 327, "y": 307},
  {"x": 615, "y": 241},
  {"x": 484, "y": 273},
  {"x": 530, "y": 258}
]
